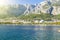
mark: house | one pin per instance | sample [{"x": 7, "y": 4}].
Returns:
[
  {"x": 38, "y": 21},
  {"x": 41, "y": 21}
]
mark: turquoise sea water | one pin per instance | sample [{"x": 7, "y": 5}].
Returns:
[{"x": 29, "y": 32}]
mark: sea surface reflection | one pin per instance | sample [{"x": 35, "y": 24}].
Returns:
[{"x": 29, "y": 32}]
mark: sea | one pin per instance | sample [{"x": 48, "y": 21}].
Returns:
[{"x": 29, "y": 32}]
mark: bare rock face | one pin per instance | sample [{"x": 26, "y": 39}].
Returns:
[
  {"x": 56, "y": 10},
  {"x": 50, "y": 6},
  {"x": 54, "y": 0},
  {"x": 29, "y": 8},
  {"x": 47, "y": 6}
]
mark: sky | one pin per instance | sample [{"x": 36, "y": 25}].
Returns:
[
  {"x": 30, "y": 1},
  {"x": 4, "y": 2}
]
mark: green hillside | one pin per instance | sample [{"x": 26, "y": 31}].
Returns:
[{"x": 36, "y": 16}]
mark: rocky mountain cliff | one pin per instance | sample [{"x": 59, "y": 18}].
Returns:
[{"x": 48, "y": 6}]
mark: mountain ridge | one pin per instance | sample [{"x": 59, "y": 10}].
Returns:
[{"x": 51, "y": 7}]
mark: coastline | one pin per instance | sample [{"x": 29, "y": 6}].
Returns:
[
  {"x": 22, "y": 22},
  {"x": 32, "y": 23}
]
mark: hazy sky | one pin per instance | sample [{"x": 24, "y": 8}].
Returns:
[
  {"x": 19, "y": 1},
  {"x": 30, "y": 1}
]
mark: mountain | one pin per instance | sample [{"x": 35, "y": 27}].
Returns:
[
  {"x": 54, "y": 7},
  {"x": 12, "y": 10},
  {"x": 48, "y": 6},
  {"x": 16, "y": 10},
  {"x": 29, "y": 8},
  {"x": 47, "y": 10}
]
